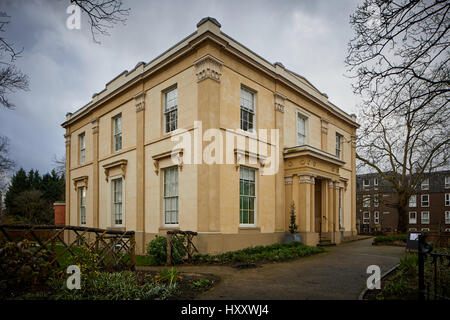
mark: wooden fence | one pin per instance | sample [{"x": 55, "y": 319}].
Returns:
[
  {"x": 115, "y": 249},
  {"x": 183, "y": 238}
]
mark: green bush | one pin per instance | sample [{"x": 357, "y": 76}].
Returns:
[
  {"x": 22, "y": 267},
  {"x": 389, "y": 239},
  {"x": 270, "y": 253},
  {"x": 115, "y": 286},
  {"x": 157, "y": 250}
]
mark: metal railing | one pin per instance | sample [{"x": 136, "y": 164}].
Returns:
[{"x": 439, "y": 266}]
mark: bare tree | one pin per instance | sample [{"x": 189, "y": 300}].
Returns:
[
  {"x": 102, "y": 14},
  {"x": 11, "y": 79},
  {"x": 398, "y": 43},
  {"x": 60, "y": 165},
  {"x": 403, "y": 146},
  {"x": 6, "y": 164},
  {"x": 399, "y": 59}
]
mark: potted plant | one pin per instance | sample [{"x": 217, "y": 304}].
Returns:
[{"x": 292, "y": 235}]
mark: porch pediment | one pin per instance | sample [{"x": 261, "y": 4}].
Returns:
[{"x": 309, "y": 160}]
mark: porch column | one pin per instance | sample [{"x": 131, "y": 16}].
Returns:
[
  {"x": 336, "y": 211},
  {"x": 312, "y": 224},
  {"x": 324, "y": 205},
  {"x": 305, "y": 206},
  {"x": 331, "y": 208},
  {"x": 288, "y": 199}
]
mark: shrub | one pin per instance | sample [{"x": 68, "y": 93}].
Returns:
[
  {"x": 22, "y": 267},
  {"x": 274, "y": 252},
  {"x": 157, "y": 250},
  {"x": 169, "y": 276},
  {"x": 115, "y": 286},
  {"x": 390, "y": 239}
]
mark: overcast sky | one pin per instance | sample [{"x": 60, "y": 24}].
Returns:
[{"x": 66, "y": 67}]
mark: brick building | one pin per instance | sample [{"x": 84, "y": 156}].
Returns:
[{"x": 428, "y": 210}]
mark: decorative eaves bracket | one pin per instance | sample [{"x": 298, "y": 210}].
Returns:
[
  {"x": 82, "y": 179},
  {"x": 241, "y": 154},
  {"x": 176, "y": 155},
  {"x": 119, "y": 163}
]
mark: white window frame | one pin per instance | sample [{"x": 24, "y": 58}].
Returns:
[
  {"x": 425, "y": 230},
  {"x": 117, "y": 135},
  {"x": 172, "y": 196},
  {"x": 366, "y": 220},
  {"x": 447, "y": 217},
  {"x": 447, "y": 199},
  {"x": 411, "y": 203},
  {"x": 376, "y": 200},
  {"x": 339, "y": 145},
  {"x": 167, "y": 111},
  {"x": 82, "y": 205},
  {"x": 255, "y": 199},
  {"x": 112, "y": 206},
  {"x": 422, "y": 201},
  {"x": 425, "y": 185},
  {"x": 375, "y": 182},
  {"x": 366, "y": 185},
  {"x": 447, "y": 182},
  {"x": 304, "y": 117},
  {"x": 412, "y": 220},
  {"x": 366, "y": 201},
  {"x": 82, "y": 143},
  {"x": 422, "y": 220},
  {"x": 376, "y": 217},
  {"x": 252, "y": 113}
]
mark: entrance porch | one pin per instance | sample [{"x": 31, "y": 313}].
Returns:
[{"x": 313, "y": 184}]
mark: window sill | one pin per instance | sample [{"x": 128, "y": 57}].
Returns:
[
  {"x": 243, "y": 229},
  {"x": 116, "y": 228},
  {"x": 168, "y": 228}
]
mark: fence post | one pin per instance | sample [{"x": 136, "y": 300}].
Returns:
[
  {"x": 133, "y": 251},
  {"x": 421, "y": 254},
  {"x": 169, "y": 250}
]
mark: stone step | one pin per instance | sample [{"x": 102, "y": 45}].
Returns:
[{"x": 325, "y": 243}]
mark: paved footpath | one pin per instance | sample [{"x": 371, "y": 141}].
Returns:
[{"x": 339, "y": 273}]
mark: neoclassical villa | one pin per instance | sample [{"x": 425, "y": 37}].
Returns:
[{"x": 210, "y": 137}]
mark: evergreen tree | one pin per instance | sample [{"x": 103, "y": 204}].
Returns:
[
  {"x": 293, "y": 226},
  {"x": 30, "y": 197}
]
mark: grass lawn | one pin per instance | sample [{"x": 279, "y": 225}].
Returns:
[{"x": 143, "y": 260}]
